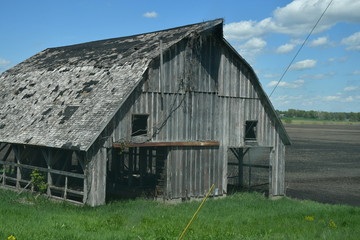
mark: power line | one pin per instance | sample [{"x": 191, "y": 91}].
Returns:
[{"x": 301, "y": 47}]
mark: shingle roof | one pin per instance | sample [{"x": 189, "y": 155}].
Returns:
[{"x": 64, "y": 97}]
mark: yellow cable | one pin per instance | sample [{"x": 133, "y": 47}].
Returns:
[{"x": 197, "y": 211}]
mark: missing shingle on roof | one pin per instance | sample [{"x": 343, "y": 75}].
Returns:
[
  {"x": 55, "y": 89},
  {"x": 47, "y": 111},
  {"x": 68, "y": 112},
  {"x": 2, "y": 126},
  {"x": 28, "y": 95},
  {"x": 64, "y": 70},
  {"x": 86, "y": 89},
  {"x": 28, "y": 140},
  {"x": 17, "y": 92}
]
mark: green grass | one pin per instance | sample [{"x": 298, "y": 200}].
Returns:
[{"x": 240, "y": 216}]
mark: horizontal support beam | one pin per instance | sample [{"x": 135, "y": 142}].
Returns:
[
  {"x": 62, "y": 189},
  {"x": 249, "y": 165},
  {"x": 170, "y": 144},
  {"x": 54, "y": 171},
  {"x": 250, "y": 147}
]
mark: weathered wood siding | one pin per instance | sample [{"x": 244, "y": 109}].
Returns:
[
  {"x": 202, "y": 91},
  {"x": 95, "y": 173}
]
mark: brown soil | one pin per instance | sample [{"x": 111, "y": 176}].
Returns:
[{"x": 323, "y": 163}]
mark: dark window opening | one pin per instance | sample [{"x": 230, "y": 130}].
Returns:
[
  {"x": 251, "y": 130},
  {"x": 139, "y": 124}
]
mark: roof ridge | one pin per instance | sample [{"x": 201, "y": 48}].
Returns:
[{"x": 215, "y": 22}]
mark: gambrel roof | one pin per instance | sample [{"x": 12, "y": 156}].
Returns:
[{"x": 64, "y": 97}]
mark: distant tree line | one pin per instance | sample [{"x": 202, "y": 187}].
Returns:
[{"x": 320, "y": 115}]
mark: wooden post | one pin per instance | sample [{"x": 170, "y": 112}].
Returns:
[
  {"x": 142, "y": 164},
  {"x": 240, "y": 167},
  {"x": 96, "y": 161},
  {"x": 18, "y": 156},
  {"x": 66, "y": 187},
  {"x": 130, "y": 167},
  {"x": 47, "y": 155},
  {"x": 4, "y": 165},
  {"x": 82, "y": 160},
  {"x": 150, "y": 160}
]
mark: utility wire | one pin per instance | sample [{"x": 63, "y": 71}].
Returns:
[{"x": 301, "y": 47}]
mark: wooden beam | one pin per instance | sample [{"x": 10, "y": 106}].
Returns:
[
  {"x": 2, "y": 147},
  {"x": 59, "y": 172},
  {"x": 170, "y": 144}
]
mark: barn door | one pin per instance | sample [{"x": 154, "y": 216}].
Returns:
[
  {"x": 249, "y": 168},
  {"x": 137, "y": 171}
]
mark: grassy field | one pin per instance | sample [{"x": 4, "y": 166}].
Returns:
[
  {"x": 309, "y": 121},
  {"x": 240, "y": 216}
]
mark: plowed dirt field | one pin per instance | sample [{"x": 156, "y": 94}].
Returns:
[{"x": 323, "y": 163}]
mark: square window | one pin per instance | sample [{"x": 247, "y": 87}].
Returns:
[
  {"x": 251, "y": 130},
  {"x": 139, "y": 124}
]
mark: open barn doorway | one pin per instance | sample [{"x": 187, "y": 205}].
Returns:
[
  {"x": 249, "y": 169},
  {"x": 137, "y": 172}
]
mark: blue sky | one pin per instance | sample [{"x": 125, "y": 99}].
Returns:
[{"x": 324, "y": 77}]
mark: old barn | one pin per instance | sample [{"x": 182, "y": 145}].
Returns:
[{"x": 163, "y": 114}]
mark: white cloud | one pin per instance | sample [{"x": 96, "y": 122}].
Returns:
[
  {"x": 150, "y": 14},
  {"x": 289, "y": 85},
  {"x": 331, "y": 98},
  {"x": 321, "y": 41},
  {"x": 286, "y": 48},
  {"x": 251, "y": 48},
  {"x": 353, "y": 41},
  {"x": 247, "y": 29},
  {"x": 4, "y": 62},
  {"x": 270, "y": 75},
  {"x": 302, "y": 65},
  {"x": 350, "y": 88},
  {"x": 289, "y": 97},
  {"x": 348, "y": 99},
  {"x": 357, "y": 72},
  {"x": 297, "y": 18},
  {"x": 319, "y": 76}
]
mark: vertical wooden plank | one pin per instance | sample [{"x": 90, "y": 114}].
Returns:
[
  {"x": 186, "y": 174},
  {"x": 66, "y": 187},
  {"x": 169, "y": 174},
  {"x": 131, "y": 166},
  {"x": 206, "y": 169},
  {"x": 96, "y": 174},
  {"x": 49, "y": 161},
  {"x": 18, "y": 155},
  {"x": 281, "y": 168}
]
